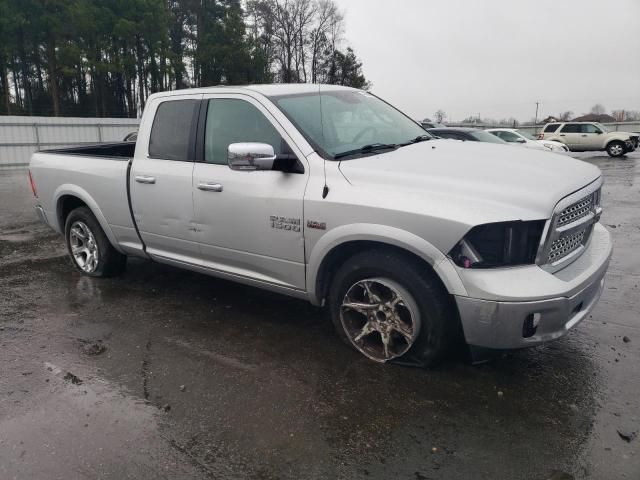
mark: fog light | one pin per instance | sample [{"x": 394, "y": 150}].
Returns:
[{"x": 530, "y": 325}]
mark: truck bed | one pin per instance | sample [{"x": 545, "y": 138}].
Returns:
[
  {"x": 123, "y": 150},
  {"x": 96, "y": 174}
]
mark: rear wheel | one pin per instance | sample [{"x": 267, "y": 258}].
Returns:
[
  {"x": 389, "y": 309},
  {"x": 616, "y": 149},
  {"x": 90, "y": 250}
]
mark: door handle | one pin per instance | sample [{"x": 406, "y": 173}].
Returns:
[
  {"x": 145, "y": 179},
  {"x": 584, "y": 135},
  {"x": 210, "y": 187},
  {"x": 562, "y": 135}
]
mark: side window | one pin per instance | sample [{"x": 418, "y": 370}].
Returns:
[
  {"x": 589, "y": 128},
  {"x": 571, "y": 128},
  {"x": 171, "y": 131},
  {"x": 236, "y": 121},
  {"x": 447, "y": 135},
  {"x": 509, "y": 137},
  {"x": 552, "y": 127}
]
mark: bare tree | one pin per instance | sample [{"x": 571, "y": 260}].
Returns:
[
  {"x": 598, "y": 109},
  {"x": 566, "y": 115},
  {"x": 440, "y": 116}
]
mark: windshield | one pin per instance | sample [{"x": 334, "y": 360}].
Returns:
[
  {"x": 342, "y": 121},
  {"x": 483, "y": 136},
  {"x": 602, "y": 127},
  {"x": 526, "y": 135}
]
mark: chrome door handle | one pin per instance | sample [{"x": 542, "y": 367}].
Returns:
[
  {"x": 145, "y": 179},
  {"x": 210, "y": 187}
]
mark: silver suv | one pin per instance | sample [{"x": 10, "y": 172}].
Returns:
[{"x": 590, "y": 136}]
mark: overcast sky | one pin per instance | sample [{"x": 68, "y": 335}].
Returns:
[{"x": 498, "y": 57}]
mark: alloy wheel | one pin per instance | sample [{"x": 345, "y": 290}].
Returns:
[
  {"x": 380, "y": 318},
  {"x": 84, "y": 247}
]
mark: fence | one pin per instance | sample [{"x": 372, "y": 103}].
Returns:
[{"x": 21, "y": 136}]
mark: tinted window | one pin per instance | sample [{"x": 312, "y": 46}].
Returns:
[
  {"x": 589, "y": 128},
  {"x": 171, "y": 131},
  {"x": 236, "y": 121},
  {"x": 482, "y": 136},
  {"x": 446, "y": 134},
  {"x": 571, "y": 128},
  {"x": 552, "y": 127},
  {"x": 508, "y": 136}
]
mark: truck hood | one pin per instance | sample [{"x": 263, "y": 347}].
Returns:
[{"x": 494, "y": 182}]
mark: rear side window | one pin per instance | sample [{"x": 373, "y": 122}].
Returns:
[
  {"x": 571, "y": 128},
  {"x": 171, "y": 134},
  {"x": 552, "y": 127}
]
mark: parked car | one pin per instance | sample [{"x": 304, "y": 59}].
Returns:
[
  {"x": 346, "y": 202},
  {"x": 466, "y": 134},
  {"x": 520, "y": 137},
  {"x": 131, "y": 137},
  {"x": 590, "y": 136},
  {"x": 428, "y": 124}
]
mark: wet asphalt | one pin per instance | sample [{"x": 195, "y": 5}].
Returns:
[{"x": 167, "y": 374}]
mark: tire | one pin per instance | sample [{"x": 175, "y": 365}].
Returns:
[
  {"x": 418, "y": 328},
  {"x": 89, "y": 248},
  {"x": 616, "y": 149}
]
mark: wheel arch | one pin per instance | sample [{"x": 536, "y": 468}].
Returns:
[
  {"x": 340, "y": 243},
  {"x": 69, "y": 197}
]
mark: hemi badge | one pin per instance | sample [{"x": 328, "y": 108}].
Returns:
[{"x": 316, "y": 225}]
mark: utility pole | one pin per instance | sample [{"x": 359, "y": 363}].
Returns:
[{"x": 535, "y": 122}]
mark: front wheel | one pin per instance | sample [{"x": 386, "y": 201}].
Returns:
[
  {"x": 90, "y": 250},
  {"x": 616, "y": 149},
  {"x": 389, "y": 309}
]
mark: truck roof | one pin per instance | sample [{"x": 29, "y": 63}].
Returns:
[{"x": 264, "y": 89}]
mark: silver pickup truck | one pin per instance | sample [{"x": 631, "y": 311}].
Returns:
[{"x": 332, "y": 195}]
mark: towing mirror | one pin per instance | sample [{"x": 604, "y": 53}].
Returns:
[{"x": 249, "y": 157}]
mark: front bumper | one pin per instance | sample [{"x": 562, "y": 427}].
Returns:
[{"x": 507, "y": 302}]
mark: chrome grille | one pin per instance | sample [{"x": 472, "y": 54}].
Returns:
[
  {"x": 570, "y": 227},
  {"x": 576, "y": 211},
  {"x": 565, "y": 245}
]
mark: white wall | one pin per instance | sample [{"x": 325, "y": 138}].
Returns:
[{"x": 21, "y": 136}]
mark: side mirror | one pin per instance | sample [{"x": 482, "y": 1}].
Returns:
[
  {"x": 599, "y": 132},
  {"x": 250, "y": 157},
  {"x": 521, "y": 140}
]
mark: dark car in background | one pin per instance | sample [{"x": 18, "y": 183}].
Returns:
[{"x": 466, "y": 134}]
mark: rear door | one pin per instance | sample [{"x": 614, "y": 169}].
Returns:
[
  {"x": 161, "y": 180},
  {"x": 571, "y": 135},
  {"x": 250, "y": 223}
]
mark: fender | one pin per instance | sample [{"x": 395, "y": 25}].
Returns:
[
  {"x": 381, "y": 234},
  {"x": 82, "y": 194}
]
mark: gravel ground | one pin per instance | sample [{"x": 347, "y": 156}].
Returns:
[{"x": 164, "y": 373}]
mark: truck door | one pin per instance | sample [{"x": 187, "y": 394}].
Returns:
[
  {"x": 250, "y": 223},
  {"x": 570, "y": 135},
  {"x": 161, "y": 180}
]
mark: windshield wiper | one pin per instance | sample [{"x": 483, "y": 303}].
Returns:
[
  {"x": 373, "y": 147},
  {"x": 418, "y": 139}
]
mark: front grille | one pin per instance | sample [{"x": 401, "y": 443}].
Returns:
[
  {"x": 566, "y": 245},
  {"x": 569, "y": 231},
  {"x": 576, "y": 211}
]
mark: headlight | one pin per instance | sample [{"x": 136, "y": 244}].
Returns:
[{"x": 499, "y": 245}]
